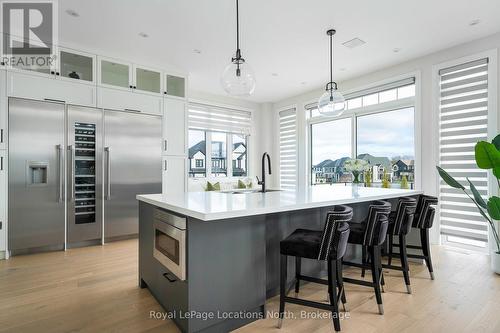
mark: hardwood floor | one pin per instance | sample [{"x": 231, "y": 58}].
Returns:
[{"x": 95, "y": 289}]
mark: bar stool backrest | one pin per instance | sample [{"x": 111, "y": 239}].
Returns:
[
  {"x": 377, "y": 223},
  {"x": 335, "y": 233},
  {"x": 423, "y": 216},
  {"x": 405, "y": 213}
]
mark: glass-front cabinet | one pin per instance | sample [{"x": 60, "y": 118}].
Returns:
[
  {"x": 76, "y": 65},
  {"x": 115, "y": 74},
  {"x": 147, "y": 80},
  {"x": 175, "y": 86}
]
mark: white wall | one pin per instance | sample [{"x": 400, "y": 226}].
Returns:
[{"x": 428, "y": 119}]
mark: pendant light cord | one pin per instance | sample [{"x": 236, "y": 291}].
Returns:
[
  {"x": 331, "y": 59},
  {"x": 238, "y": 55}
]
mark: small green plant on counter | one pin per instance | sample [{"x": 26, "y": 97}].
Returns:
[
  {"x": 487, "y": 156},
  {"x": 368, "y": 178},
  {"x": 404, "y": 183},
  {"x": 385, "y": 180}
]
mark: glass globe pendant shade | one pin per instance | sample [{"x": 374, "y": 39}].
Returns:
[
  {"x": 238, "y": 78},
  {"x": 331, "y": 103}
]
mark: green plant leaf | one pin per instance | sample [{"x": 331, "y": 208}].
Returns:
[
  {"x": 494, "y": 208},
  {"x": 487, "y": 155},
  {"x": 449, "y": 179},
  {"x": 479, "y": 199},
  {"x": 496, "y": 142}
]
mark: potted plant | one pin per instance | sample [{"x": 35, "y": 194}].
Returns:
[
  {"x": 356, "y": 167},
  {"x": 487, "y": 156}
]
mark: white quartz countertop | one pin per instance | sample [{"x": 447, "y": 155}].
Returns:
[{"x": 210, "y": 206}]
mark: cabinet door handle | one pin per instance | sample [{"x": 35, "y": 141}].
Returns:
[
  {"x": 54, "y": 100},
  {"x": 165, "y": 165},
  {"x": 1, "y": 163},
  {"x": 132, "y": 110},
  {"x": 1, "y": 135},
  {"x": 170, "y": 279},
  {"x": 165, "y": 145},
  {"x": 71, "y": 149},
  {"x": 131, "y": 87},
  {"x": 52, "y": 72},
  {"x": 61, "y": 172},
  {"x": 107, "y": 195},
  {"x": 57, "y": 73}
]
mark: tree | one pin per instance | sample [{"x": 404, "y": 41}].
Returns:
[
  {"x": 404, "y": 183},
  {"x": 385, "y": 180},
  {"x": 368, "y": 178}
]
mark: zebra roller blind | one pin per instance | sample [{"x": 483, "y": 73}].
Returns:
[
  {"x": 218, "y": 119},
  {"x": 288, "y": 149},
  {"x": 463, "y": 112}
]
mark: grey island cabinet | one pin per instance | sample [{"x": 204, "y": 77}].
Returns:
[{"x": 211, "y": 259}]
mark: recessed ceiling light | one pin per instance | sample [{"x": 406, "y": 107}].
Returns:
[
  {"x": 396, "y": 49},
  {"x": 274, "y": 74},
  {"x": 197, "y": 51},
  {"x": 355, "y": 42},
  {"x": 71, "y": 12},
  {"x": 474, "y": 22},
  {"x": 143, "y": 35}
]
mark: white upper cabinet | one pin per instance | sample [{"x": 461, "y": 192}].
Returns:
[
  {"x": 147, "y": 80},
  {"x": 76, "y": 66},
  {"x": 115, "y": 73},
  {"x": 117, "y": 99},
  {"x": 24, "y": 85},
  {"x": 175, "y": 86},
  {"x": 3, "y": 110},
  {"x": 174, "y": 127}
]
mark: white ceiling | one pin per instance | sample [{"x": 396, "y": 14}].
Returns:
[{"x": 286, "y": 37}]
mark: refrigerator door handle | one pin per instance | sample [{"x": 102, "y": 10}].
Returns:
[
  {"x": 107, "y": 195},
  {"x": 72, "y": 175},
  {"x": 61, "y": 172}
]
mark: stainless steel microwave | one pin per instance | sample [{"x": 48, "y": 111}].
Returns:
[{"x": 170, "y": 242}]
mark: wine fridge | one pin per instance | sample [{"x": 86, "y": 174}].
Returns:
[{"x": 74, "y": 173}]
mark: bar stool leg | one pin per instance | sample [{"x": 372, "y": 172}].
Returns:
[
  {"x": 283, "y": 272},
  {"x": 340, "y": 283},
  {"x": 404, "y": 262},
  {"x": 297, "y": 275},
  {"x": 375, "y": 267},
  {"x": 391, "y": 242},
  {"x": 426, "y": 249},
  {"x": 363, "y": 260},
  {"x": 332, "y": 289},
  {"x": 382, "y": 280}
]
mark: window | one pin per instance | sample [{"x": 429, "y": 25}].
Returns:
[
  {"x": 197, "y": 154},
  {"x": 219, "y": 133},
  {"x": 239, "y": 155},
  {"x": 379, "y": 129},
  {"x": 379, "y": 95},
  {"x": 387, "y": 141},
  {"x": 463, "y": 112},
  {"x": 331, "y": 146},
  {"x": 288, "y": 149}
]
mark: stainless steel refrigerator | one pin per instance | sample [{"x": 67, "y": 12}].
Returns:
[{"x": 74, "y": 173}]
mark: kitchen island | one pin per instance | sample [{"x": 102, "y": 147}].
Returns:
[{"x": 212, "y": 259}]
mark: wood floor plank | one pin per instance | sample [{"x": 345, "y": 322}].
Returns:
[{"x": 94, "y": 289}]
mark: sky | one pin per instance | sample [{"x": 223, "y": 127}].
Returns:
[{"x": 386, "y": 134}]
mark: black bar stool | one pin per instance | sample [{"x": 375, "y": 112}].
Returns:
[
  {"x": 423, "y": 220},
  {"x": 328, "y": 245},
  {"x": 400, "y": 222},
  {"x": 371, "y": 234}
]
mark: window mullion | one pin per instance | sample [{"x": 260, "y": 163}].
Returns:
[
  {"x": 229, "y": 155},
  {"x": 208, "y": 156}
]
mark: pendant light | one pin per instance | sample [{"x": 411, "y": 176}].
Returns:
[
  {"x": 238, "y": 78},
  {"x": 331, "y": 103}
]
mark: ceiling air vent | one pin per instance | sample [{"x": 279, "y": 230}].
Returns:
[{"x": 355, "y": 42}]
